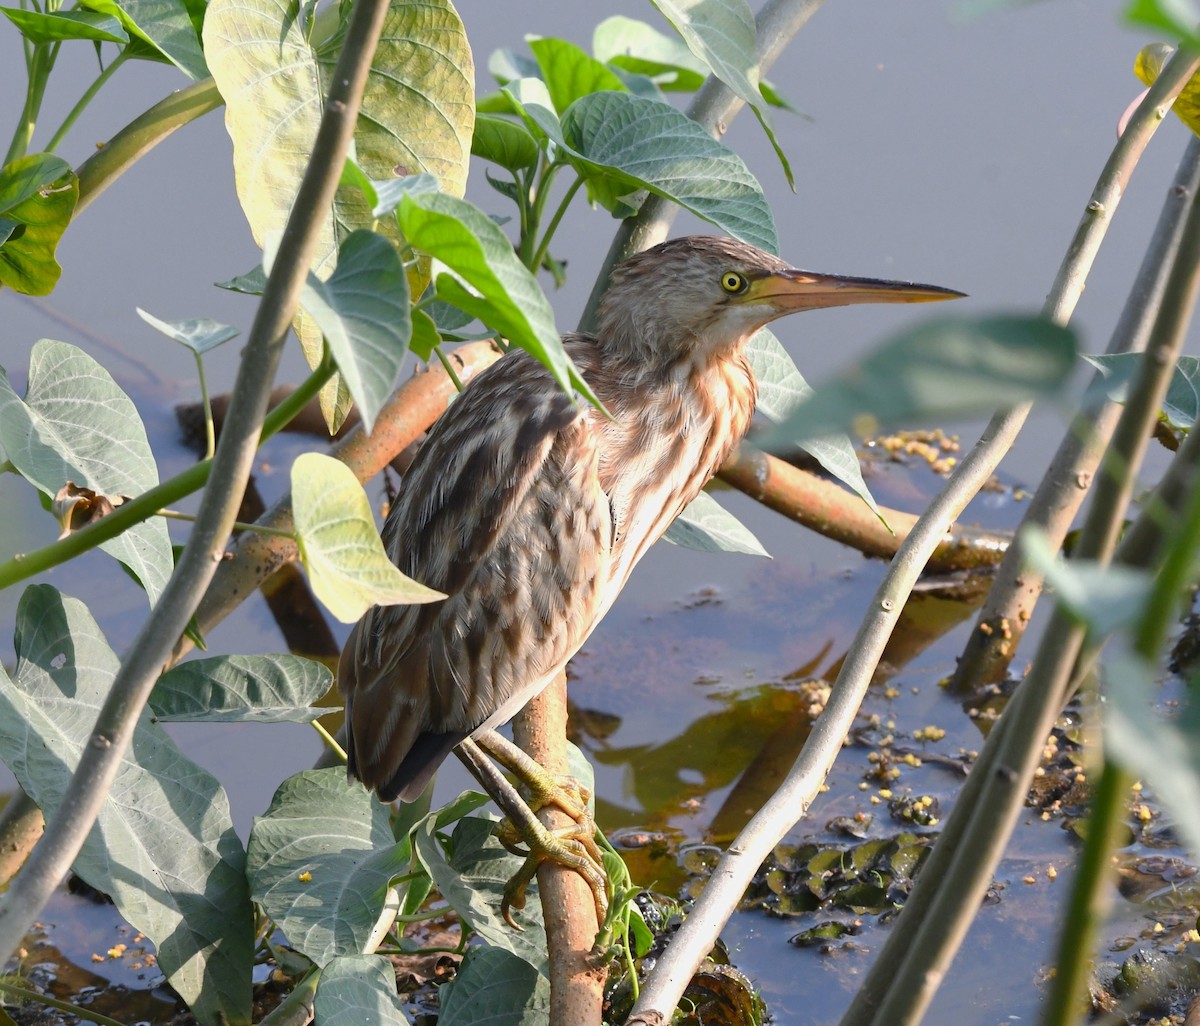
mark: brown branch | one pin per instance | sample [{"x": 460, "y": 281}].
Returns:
[
  {"x": 836, "y": 513},
  {"x": 576, "y": 981}
]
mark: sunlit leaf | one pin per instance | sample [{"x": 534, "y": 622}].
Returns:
[
  {"x": 624, "y": 143},
  {"x": 358, "y": 989},
  {"x": 569, "y": 73},
  {"x": 75, "y": 424},
  {"x": 472, "y": 881},
  {"x": 38, "y": 193},
  {"x": 237, "y": 689},
  {"x": 417, "y": 115},
  {"x": 781, "y": 389},
  {"x": 508, "y": 987},
  {"x": 39, "y": 27},
  {"x": 339, "y": 545},
  {"x": 1181, "y": 404},
  {"x": 199, "y": 334},
  {"x": 1102, "y": 597},
  {"x": 723, "y": 35},
  {"x": 1163, "y": 751},
  {"x": 165, "y": 25},
  {"x": 502, "y": 292},
  {"x": 321, "y": 860},
  {"x": 952, "y": 367},
  {"x": 163, "y": 846},
  {"x": 707, "y": 526}
]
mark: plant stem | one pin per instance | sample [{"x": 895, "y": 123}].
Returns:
[
  {"x": 86, "y": 1014},
  {"x": 552, "y": 227},
  {"x": 27, "y": 564},
  {"x": 330, "y": 740},
  {"x": 238, "y": 525},
  {"x": 70, "y": 823},
  {"x": 210, "y": 430},
  {"x": 84, "y": 100},
  {"x": 141, "y": 135},
  {"x": 38, "y": 67},
  {"x": 448, "y": 367}
]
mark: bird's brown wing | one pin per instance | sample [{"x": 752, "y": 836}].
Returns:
[{"x": 502, "y": 511}]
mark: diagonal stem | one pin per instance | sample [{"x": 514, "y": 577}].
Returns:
[{"x": 67, "y": 830}]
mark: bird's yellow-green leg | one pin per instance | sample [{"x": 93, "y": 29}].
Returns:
[{"x": 575, "y": 847}]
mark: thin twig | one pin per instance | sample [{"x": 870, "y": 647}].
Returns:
[
  {"x": 1009, "y": 606},
  {"x": 790, "y": 802},
  {"x": 936, "y": 916},
  {"x": 735, "y": 870},
  {"x": 67, "y": 830}
]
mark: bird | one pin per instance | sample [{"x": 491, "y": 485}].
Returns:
[{"x": 529, "y": 508}]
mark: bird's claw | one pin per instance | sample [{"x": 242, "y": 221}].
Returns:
[{"x": 568, "y": 849}]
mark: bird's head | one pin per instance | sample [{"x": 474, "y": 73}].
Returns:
[{"x": 705, "y": 293}]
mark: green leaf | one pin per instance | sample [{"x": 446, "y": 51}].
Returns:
[
  {"x": 166, "y": 25},
  {"x": 1176, "y": 17},
  {"x": 46, "y": 28},
  {"x": 1104, "y": 598},
  {"x": 1165, "y": 753},
  {"x": 635, "y": 46},
  {"x": 503, "y": 294},
  {"x": 163, "y": 846},
  {"x": 1181, "y": 405},
  {"x": 363, "y": 312},
  {"x": 389, "y": 192},
  {"x": 622, "y": 143},
  {"x": 504, "y": 142},
  {"x": 76, "y": 424},
  {"x": 781, "y": 389},
  {"x": 723, "y": 35},
  {"x": 417, "y": 114},
  {"x": 494, "y": 987},
  {"x": 321, "y": 861},
  {"x": 570, "y": 73},
  {"x": 707, "y": 526},
  {"x": 952, "y": 367},
  {"x": 238, "y": 689},
  {"x": 339, "y": 545},
  {"x": 472, "y": 877},
  {"x": 358, "y": 989},
  {"x": 38, "y": 192},
  {"x": 425, "y": 335},
  {"x": 199, "y": 334}
]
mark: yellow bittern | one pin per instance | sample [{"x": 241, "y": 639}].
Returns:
[{"x": 529, "y": 509}]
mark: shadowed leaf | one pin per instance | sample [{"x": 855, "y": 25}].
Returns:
[
  {"x": 163, "y": 846},
  {"x": 75, "y": 424},
  {"x": 237, "y": 689},
  {"x": 320, "y": 862},
  {"x": 953, "y": 367},
  {"x": 358, "y": 989}
]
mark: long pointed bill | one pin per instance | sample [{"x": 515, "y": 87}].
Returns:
[{"x": 789, "y": 291}]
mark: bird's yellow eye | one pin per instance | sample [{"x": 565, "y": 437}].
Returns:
[{"x": 733, "y": 283}]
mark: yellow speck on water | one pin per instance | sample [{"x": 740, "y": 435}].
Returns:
[
  {"x": 1052, "y": 873},
  {"x": 1030, "y": 879},
  {"x": 116, "y": 951},
  {"x": 885, "y": 792}
]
